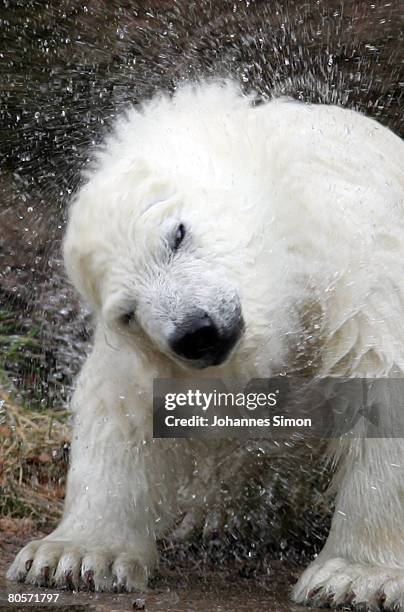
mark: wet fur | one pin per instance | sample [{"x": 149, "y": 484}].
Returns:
[{"x": 298, "y": 210}]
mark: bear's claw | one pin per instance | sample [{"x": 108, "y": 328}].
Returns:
[
  {"x": 339, "y": 582},
  {"x": 73, "y": 566}
]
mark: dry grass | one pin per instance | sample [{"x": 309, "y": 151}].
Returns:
[{"x": 33, "y": 461}]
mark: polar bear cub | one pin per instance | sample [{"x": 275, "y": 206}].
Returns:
[{"x": 215, "y": 237}]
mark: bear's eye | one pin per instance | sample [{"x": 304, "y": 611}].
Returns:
[
  {"x": 178, "y": 237},
  {"x": 127, "y": 318}
]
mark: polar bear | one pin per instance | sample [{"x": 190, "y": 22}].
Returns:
[{"x": 218, "y": 237}]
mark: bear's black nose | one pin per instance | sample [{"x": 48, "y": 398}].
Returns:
[{"x": 199, "y": 339}]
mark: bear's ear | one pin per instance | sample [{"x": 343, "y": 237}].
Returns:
[
  {"x": 80, "y": 270},
  {"x": 81, "y": 253}
]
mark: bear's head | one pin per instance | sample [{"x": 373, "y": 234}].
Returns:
[
  {"x": 159, "y": 265},
  {"x": 165, "y": 240}
]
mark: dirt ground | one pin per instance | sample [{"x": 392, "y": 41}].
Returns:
[{"x": 219, "y": 590}]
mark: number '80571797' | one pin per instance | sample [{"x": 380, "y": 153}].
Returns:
[{"x": 33, "y": 597}]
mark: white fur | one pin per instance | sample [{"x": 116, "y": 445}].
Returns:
[{"x": 297, "y": 210}]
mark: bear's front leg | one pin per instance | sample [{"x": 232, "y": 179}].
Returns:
[
  {"x": 106, "y": 539},
  {"x": 362, "y": 562}
]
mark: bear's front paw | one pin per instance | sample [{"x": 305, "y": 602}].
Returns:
[
  {"x": 339, "y": 582},
  {"x": 73, "y": 565}
]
